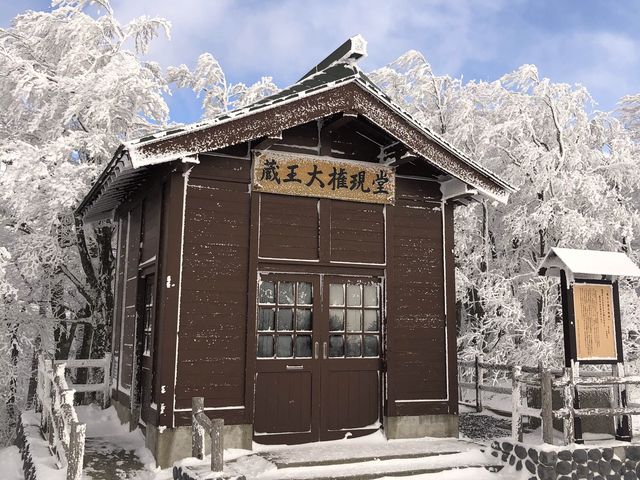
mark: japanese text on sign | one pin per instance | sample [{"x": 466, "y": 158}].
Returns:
[
  {"x": 594, "y": 322},
  {"x": 311, "y": 176}
]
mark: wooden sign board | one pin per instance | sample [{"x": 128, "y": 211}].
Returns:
[
  {"x": 595, "y": 325},
  {"x": 312, "y": 176}
]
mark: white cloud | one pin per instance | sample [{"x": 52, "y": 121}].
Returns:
[{"x": 286, "y": 38}]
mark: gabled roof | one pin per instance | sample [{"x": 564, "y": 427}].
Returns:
[
  {"x": 334, "y": 85},
  {"x": 588, "y": 263}
]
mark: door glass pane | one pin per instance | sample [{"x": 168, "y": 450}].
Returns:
[
  {"x": 265, "y": 346},
  {"x": 336, "y": 294},
  {"x": 371, "y": 320},
  {"x": 336, "y": 346},
  {"x": 265, "y": 318},
  {"x": 303, "y": 319},
  {"x": 285, "y": 293},
  {"x": 303, "y": 346},
  {"x": 370, "y": 295},
  {"x": 336, "y": 319},
  {"x": 371, "y": 348},
  {"x": 354, "y": 346},
  {"x": 354, "y": 295},
  {"x": 354, "y": 320},
  {"x": 267, "y": 292},
  {"x": 304, "y": 293},
  {"x": 284, "y": 346},
  {"x": 285, "y": 319}
]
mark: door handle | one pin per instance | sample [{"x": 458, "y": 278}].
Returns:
[
  {"x": 316, "y": 350},
  {"x": 324, "y": 349},
  {"x": 295, "y": 367}
]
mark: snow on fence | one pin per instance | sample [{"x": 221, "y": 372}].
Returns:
[
  {"x": 567, "y": 379},
  {"x": 59, "y": 421},
  {"x": 103, "y": 387},
  {"x": 201, "y": 423}
]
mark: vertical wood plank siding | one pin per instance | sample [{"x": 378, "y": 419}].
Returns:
[
  {"x": 416, "y": 334},
  {"x": 288, "y": 227},
  {"x": 357, "y": 232},
  {"x": 119, "y": 298},
  {"x": 213, "y": 317},
  {"x": 131, "y": 286},
  {"x": 169, "y": 268}
]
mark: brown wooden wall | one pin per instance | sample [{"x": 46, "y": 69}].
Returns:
[
  {"x": 139, "y": 225},
  {"x": 230, "y": 235},
  {"x": 416, "y": 321},
  {"x": 213, "y": 307}
]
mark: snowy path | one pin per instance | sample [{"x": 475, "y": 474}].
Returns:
[{"x": 111, "y": 451}]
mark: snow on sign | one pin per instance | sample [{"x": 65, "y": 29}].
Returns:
[
  {"x": 594, "y": 322},
  {"x": 313, "y": 176}
]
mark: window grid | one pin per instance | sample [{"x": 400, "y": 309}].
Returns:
[
  {"x": 354, "y": 320},
  {"x": 285, "y": 319}
]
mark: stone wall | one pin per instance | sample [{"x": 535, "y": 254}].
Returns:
[{"x": 545, "y": 462}]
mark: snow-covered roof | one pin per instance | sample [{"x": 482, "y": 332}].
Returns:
[
  {"x": 587, "y": 263},
  {"x": 336, "y": 71}
]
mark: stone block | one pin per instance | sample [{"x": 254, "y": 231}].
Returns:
[{"x": 418, "y": 426}]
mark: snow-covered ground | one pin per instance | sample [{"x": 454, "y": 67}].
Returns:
[
  {"x": 11, "y": 464},
  {"x": 112, "y": 452}
]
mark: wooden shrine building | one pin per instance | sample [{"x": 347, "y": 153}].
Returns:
[{"x": 292, "y": 263}]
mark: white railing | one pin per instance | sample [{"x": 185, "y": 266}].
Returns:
[
  {"x": 59, "y": 421},
  {"x": 103, "y": 387}
]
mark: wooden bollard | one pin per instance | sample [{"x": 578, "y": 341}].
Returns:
[
  {"x": 217, "y": 445},
  {"x": 546, "y": 381},
  {"x": 197, "y": 430}
]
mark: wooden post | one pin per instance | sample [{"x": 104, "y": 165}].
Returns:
[
  {"x": 567, "y": 378},
  {"x": 623, "y": 423},
  {"x": 546, "y": 383},
  {"x": 75, "y": 455},
  {"x": 479, "y": 375},
  {"x": 197, "y": 430},
  {"x": 516, "y": 397},
  {"x": 217, "y": 445},
  {"x": 106, "y": 391}
]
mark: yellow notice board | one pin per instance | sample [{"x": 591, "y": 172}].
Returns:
[
  {"x": 594, "y": 322},
  {"x": 313, "y": 176}
]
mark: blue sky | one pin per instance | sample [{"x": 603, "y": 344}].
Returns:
[{"x": 595, "y": 43}]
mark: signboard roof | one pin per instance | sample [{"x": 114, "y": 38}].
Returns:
[{"x": 587, "y": 263}]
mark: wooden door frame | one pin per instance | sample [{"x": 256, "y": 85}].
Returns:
[
  {"x": 138, "y": 353},
  {"x": 320, "y": 335},
  {"x": 325, "y": 433},
  {"x": 277, "y": 364}
]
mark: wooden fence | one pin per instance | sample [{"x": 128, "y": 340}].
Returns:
[
  {"x": 546, "y": 380},
  {"x": 103, "y": 387},
  {"x": 59, "y": 421},
  {"x": 201, "y": 424}
]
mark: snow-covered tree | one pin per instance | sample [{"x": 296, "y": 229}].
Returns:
[
  {"x": 576, "y": 181},
  {"x": 75, "y": 84},
  {"x": 72, "y": 90},
  {"x": 208, "y": 81}
]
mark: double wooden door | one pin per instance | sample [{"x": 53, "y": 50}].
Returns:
[{"x": 319, "y": 356}]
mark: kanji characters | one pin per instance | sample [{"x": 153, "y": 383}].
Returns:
[
  {"x": 338, "y": 178},
  {"x": 270, "y": 172},
  {"x": 358, "y": 181},
  {"x": 314, "y": 176},
  {"x": 381, "y": 179}
]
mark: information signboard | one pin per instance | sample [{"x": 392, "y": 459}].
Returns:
[{"x": 595, "y": 326}]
